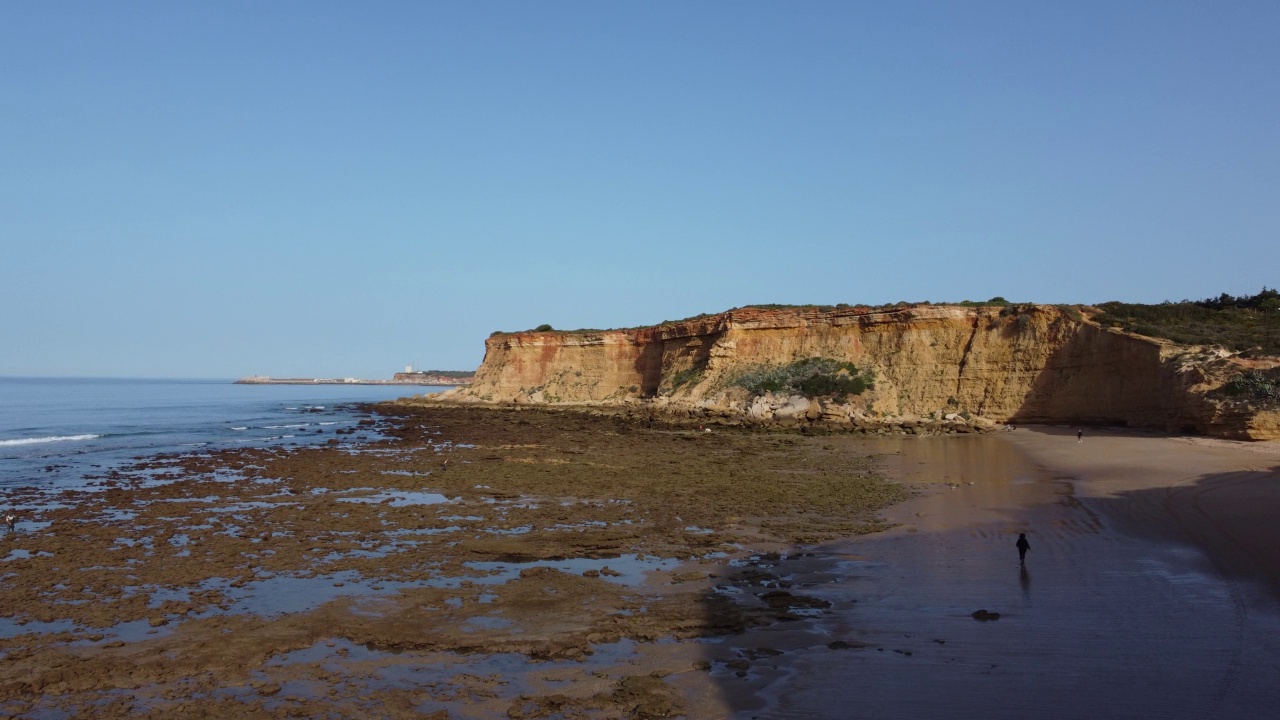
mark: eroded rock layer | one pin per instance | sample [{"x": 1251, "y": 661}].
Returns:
[{"x": 1027, "y": 363}]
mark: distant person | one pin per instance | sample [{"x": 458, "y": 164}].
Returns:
[
  {"x": 1079, "y": 436},
  {"x": 11, "y": 520},
  {"x": 1023, "y": 547}
]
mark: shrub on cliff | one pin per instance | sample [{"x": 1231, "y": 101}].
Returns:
[
  {"x": 688, "y": 376},
  {"x": 1258, "y": 386},
  {"x": 810, "y": 377}
]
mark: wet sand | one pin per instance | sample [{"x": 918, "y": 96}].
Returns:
[
  {"x": 561, "y": 565},
  {"x": 1147, "y": 592}
]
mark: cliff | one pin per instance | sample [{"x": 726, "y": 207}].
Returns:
[{"x": 1017, "y": 364}]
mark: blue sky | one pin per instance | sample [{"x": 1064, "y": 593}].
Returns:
[{"x": 305, "y": 188}]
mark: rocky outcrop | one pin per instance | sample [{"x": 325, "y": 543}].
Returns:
[{"x": 1024, "y": 364}]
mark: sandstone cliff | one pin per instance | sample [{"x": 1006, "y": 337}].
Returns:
[{"x": 1022, "y": 364}]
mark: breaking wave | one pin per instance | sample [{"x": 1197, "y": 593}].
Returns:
[{"x": 49, "y": 439}]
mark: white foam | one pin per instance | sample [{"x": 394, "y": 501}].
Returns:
[{"x": 49, "y": 439}]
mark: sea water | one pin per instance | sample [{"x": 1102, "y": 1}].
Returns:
[{"x": 55, "y": 431}]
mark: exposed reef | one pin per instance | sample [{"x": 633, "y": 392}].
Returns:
[{"x": 935, "y": 367}]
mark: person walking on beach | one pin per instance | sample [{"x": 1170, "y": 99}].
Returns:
[
  {"x": 1079, "y": 436},
  {"x": 1023, "y": 547}
]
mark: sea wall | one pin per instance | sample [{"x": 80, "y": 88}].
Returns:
[{"x": 1020, "y": 364}]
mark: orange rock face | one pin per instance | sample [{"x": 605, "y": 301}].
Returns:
[{"x": 1028, "y": 363}]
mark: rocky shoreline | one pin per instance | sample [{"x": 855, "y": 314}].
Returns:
[
  {"x": 529, "y": 562},
  {"x": 767, "y": 412}
]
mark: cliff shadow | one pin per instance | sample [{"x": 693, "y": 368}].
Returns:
[
  {"x": 648, "y": 367},
  {"x": 1101, "y": 378},
  {"x": 685, "y": 359},
  {"x": 1230, "y": 517}
]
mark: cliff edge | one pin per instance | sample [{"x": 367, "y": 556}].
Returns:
[{"x": 985, "y": 365}]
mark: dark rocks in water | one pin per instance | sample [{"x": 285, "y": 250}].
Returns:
[
  {"x": 752, "y": 576},
  {"x": 781, "y": 600},
  {"x": 845, "y": 645},
  {"x": 984, "y": 616}
]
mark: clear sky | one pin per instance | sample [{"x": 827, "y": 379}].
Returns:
[{"x": 338, "y": 189}]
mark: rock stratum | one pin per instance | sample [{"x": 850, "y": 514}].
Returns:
[{"x": 935, "y": 366}]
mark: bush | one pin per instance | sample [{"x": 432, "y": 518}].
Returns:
[
  {"x": 1260, "y": 386},
  {"x": 1236, "y": 323},
  {"x": 688, "y": 376},
  {"x": 543, "y": 328},
  {"x": 810, "y": 377},
  {"x": 1071, "y": 311}
]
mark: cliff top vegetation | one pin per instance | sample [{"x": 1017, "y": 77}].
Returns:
[
  {"x": 995, "y": 301},
  {"x": 1236, "y": 323},
  {"x": 1240, "y": 323}
]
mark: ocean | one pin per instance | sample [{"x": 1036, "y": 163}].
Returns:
[{"x": 54, "y": 431}]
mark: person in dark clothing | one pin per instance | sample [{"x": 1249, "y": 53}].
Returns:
[
  {"x": 1023, "y": 547},
  {"x": 1079, "y": 436}
]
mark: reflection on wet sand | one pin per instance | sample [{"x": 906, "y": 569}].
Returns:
[{"x": 1131, "y": 618}]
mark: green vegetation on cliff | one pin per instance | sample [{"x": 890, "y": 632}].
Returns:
[
  {"x": 1257, "y": 386},
  {"x": 1236, "y": 323},
  {"x": 810, "y": 377}
]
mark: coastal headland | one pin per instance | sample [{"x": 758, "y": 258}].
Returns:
[
  {"x": 541, "y": 562},
  {"x": 903, "y": 366},
  {"x": 767, "y": 513}
]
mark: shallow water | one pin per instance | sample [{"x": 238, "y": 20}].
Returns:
[{"x": 54, "y": 431}]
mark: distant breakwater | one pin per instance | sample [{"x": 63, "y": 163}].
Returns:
[{"x": 435, "y": 381}]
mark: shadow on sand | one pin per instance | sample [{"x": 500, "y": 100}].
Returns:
[{"x": 1150, "y": 603}]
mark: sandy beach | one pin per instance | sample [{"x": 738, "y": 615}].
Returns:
[
  {"x": 1148, "y": 591},
  {"x": 522, "y": 563}
]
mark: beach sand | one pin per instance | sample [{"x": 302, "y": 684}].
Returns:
[
  {"x": 1148, "y": 591},
  {"x": 576, "y": 566}
]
